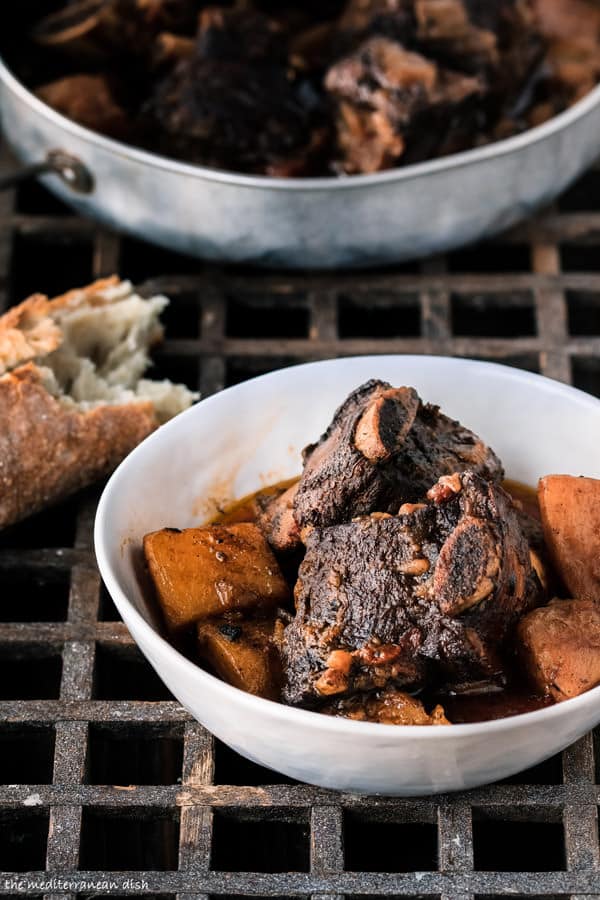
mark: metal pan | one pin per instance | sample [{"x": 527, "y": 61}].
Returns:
[{"x": 360, "y": 220}]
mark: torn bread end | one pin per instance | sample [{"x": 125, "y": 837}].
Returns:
[
  {"x": 72, "y": 391},
  {"x": 92, "y": 347}
]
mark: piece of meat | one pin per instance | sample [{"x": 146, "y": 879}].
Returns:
[
  {"x": 498, "y": 41},
  {"x": 204, "y": 572},
  {"x": 572, "y": 29},
  {"x": 445, "y": 27},
  {"x": 383, "y": 91},
  {"x": 88, "y": 100},
  {"x": 111, "y": 30},
  {"x": 277, "y": 521},
  {"x": 384, "y": 447},
  {"x": 464, "y": 34},
  {"x": 560, "y": 646},
  {"x": 388, "y": 707},
  {"x": 570, "y": 509},
  {"x": 426, "y": 595},
  {"x": 243, "y": 653},
  {"x": 236, "y": 102},
  {"x": 394, "y": 19}
]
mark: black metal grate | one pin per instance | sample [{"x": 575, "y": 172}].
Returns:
[{"x": 110, "y": 787}]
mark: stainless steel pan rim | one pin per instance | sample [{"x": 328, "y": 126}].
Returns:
[{"x": 325, "y": 183}]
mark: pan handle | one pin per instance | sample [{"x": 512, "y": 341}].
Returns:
[{"x": 68, "y": 168}]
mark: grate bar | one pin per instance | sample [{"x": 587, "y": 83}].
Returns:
[
  {"x": 326, "y": 848},
  {"x": 457, "y": 346},
  {"x": 546, "y": 801},
  {"x": 423, "y": 884},
  {"x": 195, "y": 839},
  {"x": 436, "y": 314},
  {"x": 455, "y": 837}
]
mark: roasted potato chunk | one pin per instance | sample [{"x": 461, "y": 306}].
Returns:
[
  {"x": 204, "y": 572},
  {"x": 243, "y": 654},
  {"x": 570, "y": 509},
  {"x": 560, "y": 646}
]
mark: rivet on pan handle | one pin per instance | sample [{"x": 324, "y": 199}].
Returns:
[{"x": 68, "y": 168}]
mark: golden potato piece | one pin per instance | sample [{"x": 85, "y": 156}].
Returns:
[
  {"x": 570, "y": 509},
  {"x": 242, "y": 654},
  {"x": 204, "y": 572},
  {"x": 560, "y": 645}
]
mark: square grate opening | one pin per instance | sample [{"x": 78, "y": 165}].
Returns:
[
  {"x": 379, "y": 316},
  {"x": 260, "y": 843},
  {"x": 122, "y": 673},
  {"x": 183, "y": 316},
  {"x": 34, "y": 596},
  {"x": 256, "y": 316},
  {"x": 23, "y": 840},
  {"x": 583, "y": 195},
  {"x": 388, "y": 846},
  {"x": 493, "y": 315},
  {"x": 134, "y": 754},
  {"x": 26, "y": 754},
  {"x": 62, "y": 261},
  {"x": 580, "y": 258},
  {"x": 51, "y": 528},
  {"x": 33, "y": 199},
  {"x": 584, "y": 312},
  {"x": 231, "y": 768},
  {"x": 29, "y": 671},
  {"x": 138, "y": 262},
  {"x": 178, "y": 368},
  {"x": 521, "y": 845},
  {"x": 484, "y": 258},
  {"x": 129, "y": 840}
]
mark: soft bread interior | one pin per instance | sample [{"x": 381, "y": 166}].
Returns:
[{"x": 104, "y": 354}]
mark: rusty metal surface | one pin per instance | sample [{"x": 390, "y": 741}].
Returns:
[{"x": 108, "y": 787}]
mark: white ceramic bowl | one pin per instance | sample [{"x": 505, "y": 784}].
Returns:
[{"x": 249, "y": 435}]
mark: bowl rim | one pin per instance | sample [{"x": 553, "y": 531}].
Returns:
[
  {"x": 293, "y": 715},
  {"x": 126, "y": 152}
]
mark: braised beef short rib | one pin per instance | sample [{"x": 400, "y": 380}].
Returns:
[
  {"x": 383, "y": 448},
  {"x": 234, "y": 102},
  {"x": 427, "y": 595}
]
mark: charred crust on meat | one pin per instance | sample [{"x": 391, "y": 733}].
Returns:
[
  {"x": 383, "y": 448},
  {"x": 360, "y": 592}
]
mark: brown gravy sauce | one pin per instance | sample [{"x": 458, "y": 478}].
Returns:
[{"x": 516, "y": 698}]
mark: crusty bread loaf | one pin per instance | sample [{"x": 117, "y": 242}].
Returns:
[{"x": 73, "y": 401}]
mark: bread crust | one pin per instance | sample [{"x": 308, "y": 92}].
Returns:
[
  {"x": 49, "y": 450},
  {"x": 49, "y": 447}
]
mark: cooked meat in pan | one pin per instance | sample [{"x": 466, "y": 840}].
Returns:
[
  {"x": 399, "y": 580},
  {"x": 298, "y": 89}
]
